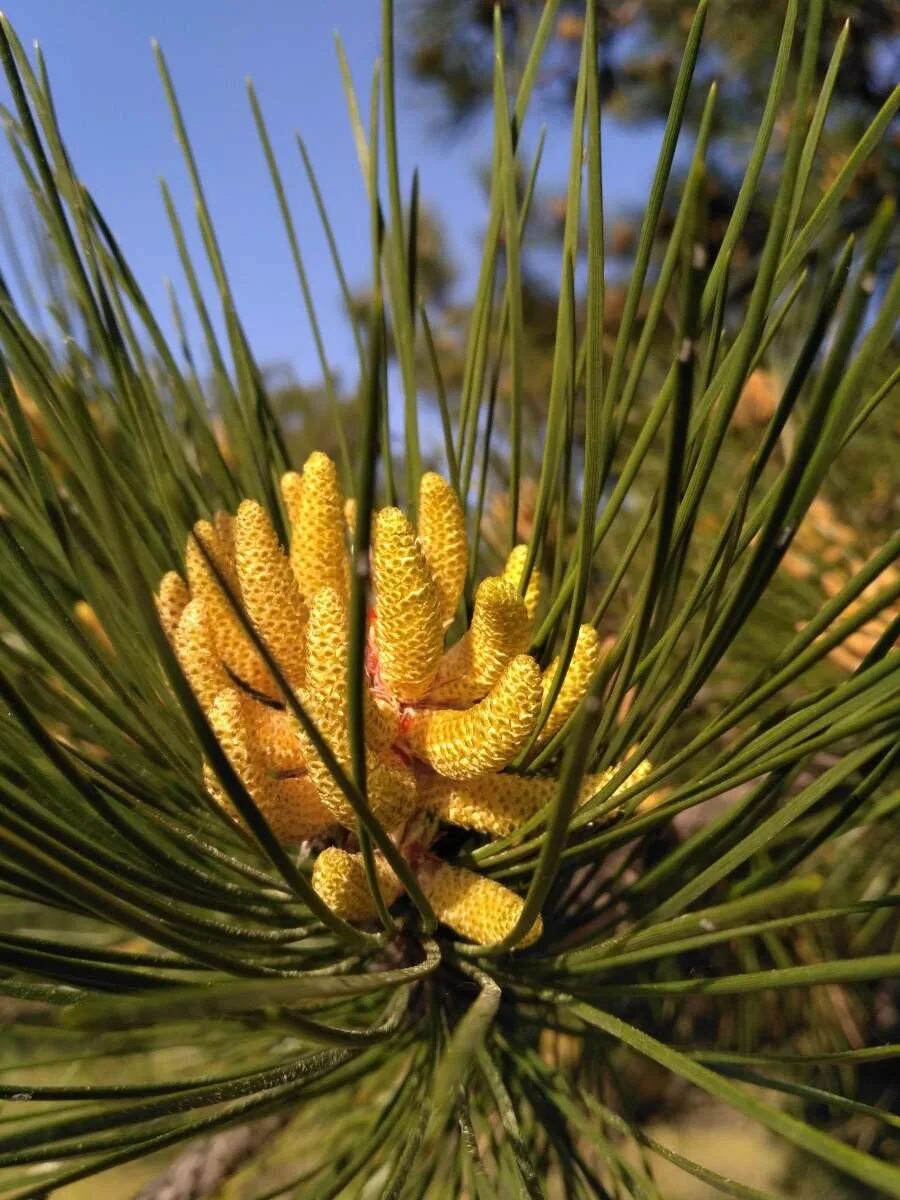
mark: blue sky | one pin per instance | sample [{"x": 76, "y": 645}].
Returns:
[{"x": 118, "y": 132}]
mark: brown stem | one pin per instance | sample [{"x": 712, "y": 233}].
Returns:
[{"x": 205, "y": 1165}]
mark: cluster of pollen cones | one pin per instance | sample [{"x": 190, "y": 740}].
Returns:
[{"x": 441, "y": 724}]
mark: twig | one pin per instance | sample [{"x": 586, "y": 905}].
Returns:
[{"x": 205, "y": 1165}]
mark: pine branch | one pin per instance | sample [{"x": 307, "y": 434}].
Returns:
[{"x": 203, "y": 1168}]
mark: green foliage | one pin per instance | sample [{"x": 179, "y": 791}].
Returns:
[
  {"x": 448, "y": 46},
  {"x": 729, "y": 919}
]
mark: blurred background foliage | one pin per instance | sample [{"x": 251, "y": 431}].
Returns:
[
  {"x": 448, "y": 54},
  {"x": 448, "y": 50}
]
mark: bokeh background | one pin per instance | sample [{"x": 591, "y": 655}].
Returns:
[{"x": 118, "y": 130}]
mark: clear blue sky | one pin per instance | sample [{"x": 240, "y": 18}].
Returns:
[{"x": 118, "y": 132}]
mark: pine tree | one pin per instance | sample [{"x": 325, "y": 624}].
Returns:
[{"x": 334, "y": 833}]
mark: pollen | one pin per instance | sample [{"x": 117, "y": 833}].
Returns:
[
  {"x": 499, "y": 631},
  {"x": 318, "y": 543},
  {"x": 291, "y": 492},
  {"x": 592, "y": 785},
  {"x": 326, "y": 658},
  {"x": 195, "y": 650},
  {"x": 291, "y": 806},
  {"x": 478, "y": 908},
  {"x": 339, "y": 878},
  {"x": 223, "y": 524},
  {"x": 391, "y": 790},
  {"x": 442, "y": 536},
  {"x": 409, "y": 632},
  {"x": 233, "y": 645},
  {"x": 492, "y": 804},
  {"x": 382, "y": 721},
  {"x": 294, "y": 811},
  {"x": 440, "y": 727},
  {"x": 228, "y": 720},
  {"x": 270, "y": 592},
  {"x": 276, "y": 734},
  {"x": 326, "y": 697},
  {"x": 578, "y": 679},
  {"x": 499, "y": 804},
  {"x": 513, "y": 571},
  {"x": 487, "y": 736},
  {"x": 171, "y": 601}
]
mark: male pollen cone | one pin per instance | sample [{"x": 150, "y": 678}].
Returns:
[
  {"x": 487, "y": 736},
  {"x": 270, "y": 592},
  {"x": 409, "y": 632},
  {"x": 442, "y": 536},
  {"x": 318, "y": 540},
  {"x": 476, "y": 907}
]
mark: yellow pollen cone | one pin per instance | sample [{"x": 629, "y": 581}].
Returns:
[
  {"x": 499, "y": 804},
  {"x": 478, "y": 908},
  {"x": 196, "y": 652},
  {"x": 223, "y": 524},
  {"x": 294, "y": 811},
  {"x": 233, "y": 645},
  {"x": 390, "y": 784},
  {"x": 291, "y": 491},
  {"x": 582, "y": 669},
  {"x": 326, "y": 659},
  {"x": 382, "y": 722},
  {"x": 270, "y": 592},
  {"x": 391, "y": 789},
  {"x": 171, "y": 601},
  {"x": 409, "y": 633},
  {"x": 485, "y": 737},
  {"x": 327, "y": 645},
  {"x": 328, "y": 693},
  {"x": 276, "y": 735},
  {"x": 318, "y": 542},
  {"x": 492, "y": 804},
  {"x": 339, "y": 878},
  {"x": 222, "y": 554},
  {"x": 593, "y": 783},
  {"x": 499, "y": 631},
  {"x": 442, "y": 536},
  {"x": 229, "y": 724},
  {"x": 291, "y": 806},
  {"x": 512, "y": 572}
]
